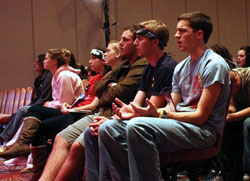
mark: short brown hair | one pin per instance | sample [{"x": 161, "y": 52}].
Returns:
[
  {"x": 132, "y": 29},
  {"x": 158, "y": 28},
  {"x": 199, "y": 21}
]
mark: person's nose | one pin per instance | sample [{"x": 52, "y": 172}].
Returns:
[
  {"x": 135, "y": 42},
  {"x": 177, "y": 34},
  {"x": 121, "y": 43}
]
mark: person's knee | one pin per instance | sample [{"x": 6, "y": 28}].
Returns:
[
  {"x": 105, "y": 128},
  {"x": 87, "y": 134},
  {"x": 247, "y": 122},
  {"x": 76, "y": 148},
  {"x": 60, "y": 142},
  {"x": 134, "y": 124},
  {"x": 23, "y": 109},
  {"x": 90, "y": 140}
]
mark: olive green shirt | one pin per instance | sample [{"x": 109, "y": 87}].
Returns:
[{"x": 126, "y": 77}]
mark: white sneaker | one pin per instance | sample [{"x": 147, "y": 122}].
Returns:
[
  {"x": 246, "y": 177},
  {"x": 18, "y": 161}
]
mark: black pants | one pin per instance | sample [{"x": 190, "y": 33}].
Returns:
[
  {"x": 232, "y": 150},
  {"x": 52, "y": 122}
]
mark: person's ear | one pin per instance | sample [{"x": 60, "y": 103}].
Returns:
[
  {"x": 199, "y": 34},
  {"x": 118, "y": 55},
  {"x": 54, "y": 61},
  {"x": 156, "y": 41}
]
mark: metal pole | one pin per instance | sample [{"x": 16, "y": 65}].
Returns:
[{"x": 106, "y": 23}]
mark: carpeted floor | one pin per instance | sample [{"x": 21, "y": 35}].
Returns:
[{"x": 12, "y": 173}]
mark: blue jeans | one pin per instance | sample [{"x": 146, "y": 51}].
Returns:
[
  {"x": 93, "y": 164},
  {"x": 246, "y": 158},
  {"x": 14, "y": 124},
  {"x": 131, "y": 148}
]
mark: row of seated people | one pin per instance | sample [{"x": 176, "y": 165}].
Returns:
[
  {"x": 243, "y": 55},
  {"x": 199, "y": 94},
  {"x": 42, "y": 94},
  {"x": 89, "y": 102}
]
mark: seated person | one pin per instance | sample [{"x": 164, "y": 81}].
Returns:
[
  {"x": 119, "y": 82},
  {"x": 238, "y": 116},
  {"x": 244, "y": 56},
  {"x": 200, "y": 90},
  {"x": 90, "y": 101},
  {"x": 42, "y": 93},
  {"x": 224, "y": 52},
  {"x": 231, "y": 152}
]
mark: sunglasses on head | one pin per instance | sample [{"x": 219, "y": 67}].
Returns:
[{"x": 97, "y": 53}]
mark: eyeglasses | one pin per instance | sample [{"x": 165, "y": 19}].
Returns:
[
  {"x": 150, "y": 35},
  {"x": 97, "y": 53}
]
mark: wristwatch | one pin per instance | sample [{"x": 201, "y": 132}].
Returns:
[{"x": 163, "y": 114}]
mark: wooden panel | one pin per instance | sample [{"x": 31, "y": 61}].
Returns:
[
  {"x": 29, "y": 94},
  {"x": 5, "y": 95},
  {"x": 232, "y": 24},
  {"x": 1, "y": 98},
  {"x": 22, "y": 97},
  {"x": 32, "y": 27},
  {"x": 54, "y": 25},
  {"x": 17, "y": 99},
  {"x": 113, "y": 19},
  {"x": 248, "y": 20},
  {"x": 197, "y": 5},
  {"x": 132, "y": 13},
  {"x": 89, "y": 28},
  {"x": 10, "y": 101},
  {"x": 16, "y": 48},
  {"x": 168, "y": 11}
]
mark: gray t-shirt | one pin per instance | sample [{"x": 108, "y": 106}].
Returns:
[{"x": 189, "y": 80}]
